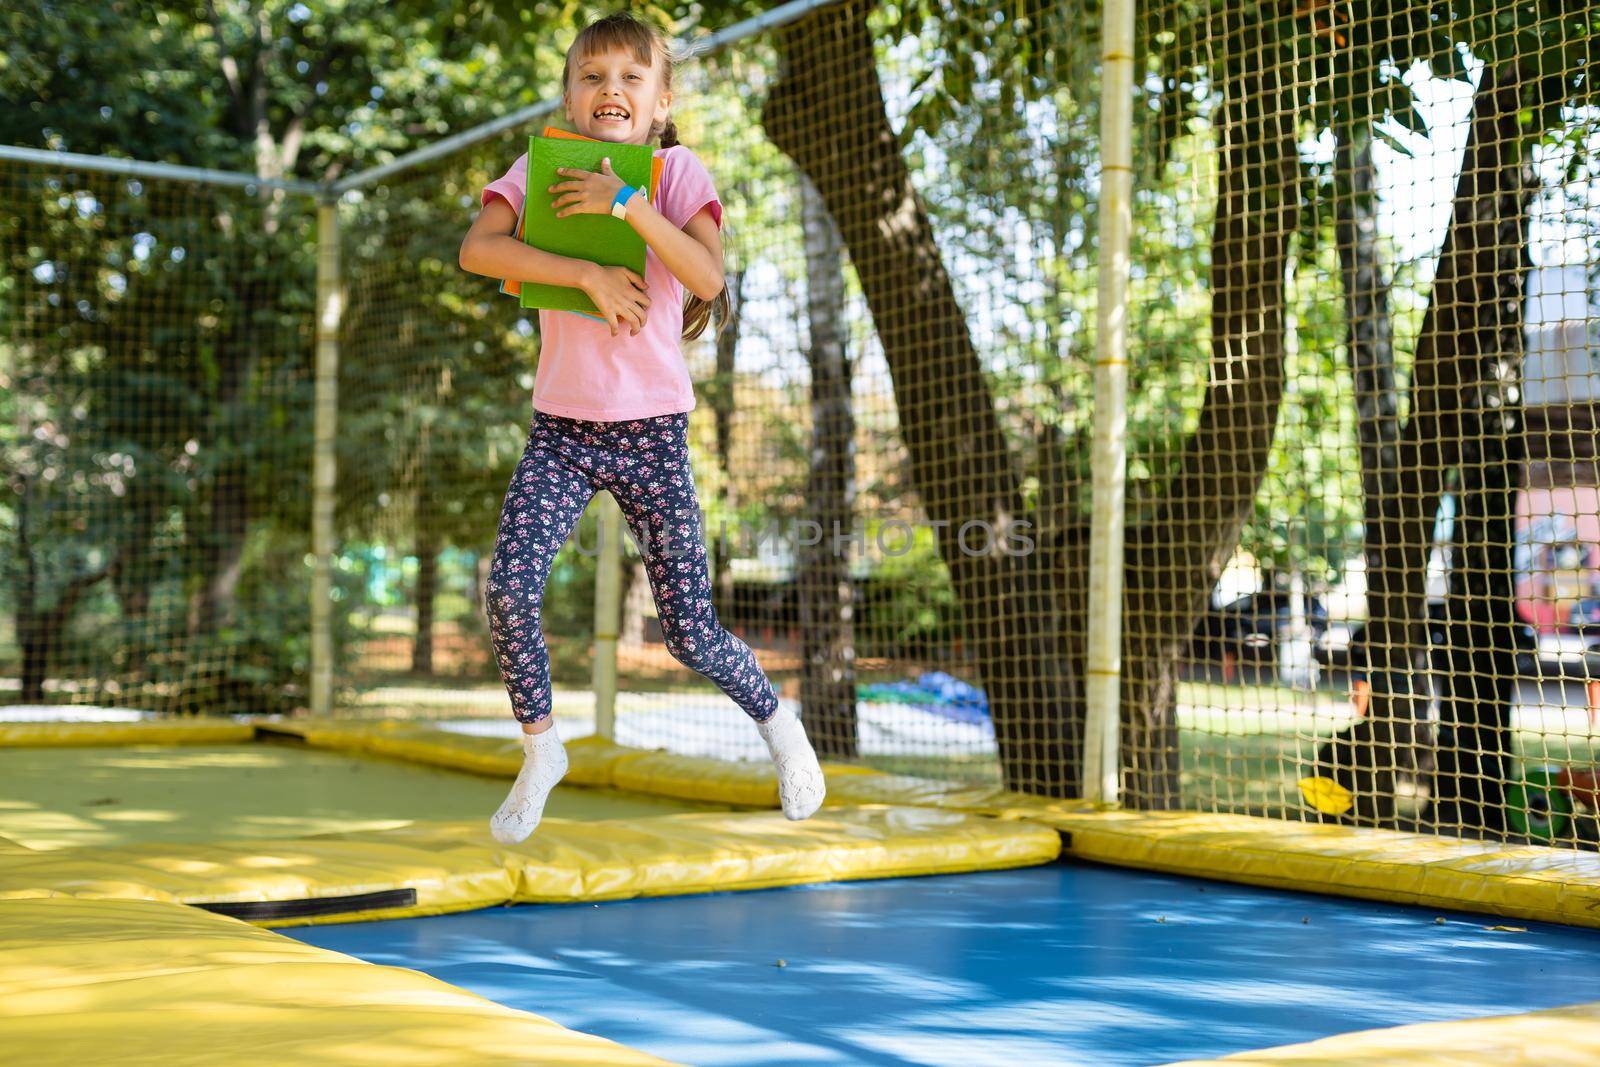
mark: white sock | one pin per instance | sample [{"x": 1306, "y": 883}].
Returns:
[
  {"x": 800, "y": 784},
  {"x": 543, "y": 764}
]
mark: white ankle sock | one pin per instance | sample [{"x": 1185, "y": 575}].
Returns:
[
  {"x": 800, "y": 783},
  {"x": 543, "y": 764}
]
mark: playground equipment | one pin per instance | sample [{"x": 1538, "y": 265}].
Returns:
[{"x": 1552, "y": 803}]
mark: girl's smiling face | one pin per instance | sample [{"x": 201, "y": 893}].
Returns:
[{"x": 612, "y": 96}]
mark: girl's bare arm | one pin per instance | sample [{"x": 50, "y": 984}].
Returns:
[
  {"x": 693, "y": 254},
  {"x": 490, "y": 248}
]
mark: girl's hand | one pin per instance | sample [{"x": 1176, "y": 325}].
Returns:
[
  {"x": 589, "y": 192},
  {"x": 619, "y": 293}
]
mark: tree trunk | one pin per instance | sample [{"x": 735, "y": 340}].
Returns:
[
  {"x": 636, "y": 601},
  {"x": 1463, "y": 418},
  {"x": 720, "y": 398},
  {"x": 41, "y": 631},
  {"x": 427, "y": 588},
  {"x": 133, "y": 580},
  {"x": 35, "y": 643},
  {"x": 1487, "y": 304},
  {"x": 1175, "y": 561},
  {"x": 222, "y": 544},
  {"x": 1369, "y": 332},
  {"x": 226, "y": 522},
  {"x": 828, "y": 677},
  {"x": 826, "y": 112},
  {"x": 474, "y": 589},
  {"x": 1362, "y": 757}
]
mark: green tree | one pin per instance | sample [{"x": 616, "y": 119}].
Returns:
[{"x": 165, "y": 327}]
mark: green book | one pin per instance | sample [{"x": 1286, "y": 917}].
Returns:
[{"x": 600, "y": 239}]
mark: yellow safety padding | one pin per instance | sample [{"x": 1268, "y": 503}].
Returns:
[
  {"x": 469, "y": 873},
  {"x": 592, "y": 761},
  {"x": 146, "y": 732},
  {"x": 1559, "y": 1037},
  {"x": 754, "y": 784},
  {"x": 137, "y": 982},
  {"x": 875, "y": 788},
  {"x": 589, "y": 759},
  {"x": 456, "y": 866},
  {"x": 595, "y": 761},
  {"x": 702, "y": 852},
  {"x": 748, "y": 783},
  {"x": 1524, "y": 881},
  {"x": 699, "y": 852},
  {"x": 495, "y": 756}
]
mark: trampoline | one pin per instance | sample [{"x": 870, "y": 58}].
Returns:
[
  {"x": 665, "y": 912},
  {"x": 1068, "y": 963}
]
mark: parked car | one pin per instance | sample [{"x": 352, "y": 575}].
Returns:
[
  {"x": 1251, "y": 626},
  {"x": 1348, "y": 651}
]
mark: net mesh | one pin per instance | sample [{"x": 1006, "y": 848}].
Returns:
[
  {"x": 1362, "y": 572},
  {"x": 1346, "y": 524},
  {"x": 156, "y": 443}
]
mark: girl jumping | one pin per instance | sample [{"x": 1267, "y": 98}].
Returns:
[{"x": 611, "y": 403}]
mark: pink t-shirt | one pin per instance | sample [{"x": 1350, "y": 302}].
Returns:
[{"x": 584, "y": 372}]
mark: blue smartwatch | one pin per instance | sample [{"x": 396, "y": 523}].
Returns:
[{"x": 619, "y": 203}]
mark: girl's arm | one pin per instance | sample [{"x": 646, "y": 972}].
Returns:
[
  {"x": 490, "y": 248},
  {"x": 693, "y": 254}
]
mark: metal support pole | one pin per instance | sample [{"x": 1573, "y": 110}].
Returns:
[
  {"x": 1103, "y": 681},
  {"x": 607, "y": 615},
  {"x": 330, "y": 304}
]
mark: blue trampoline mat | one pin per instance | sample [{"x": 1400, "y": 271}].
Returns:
[{"x": 1064, "y": 964}]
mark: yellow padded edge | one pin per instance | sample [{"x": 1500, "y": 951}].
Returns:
[
  {"x": 148, "y": 732},
  {"x": 1559, "y": 1037},
  {"x": 876, "y": 788},
  {"x": 754, "y": 784},
  {"x": 751, "y": 784},
  {"x": 596, "y": 762},
  {"x": 454, "y": 866},
  {"x": 1526, "y": 882},
  {"x": 701, "y": 852},
  {"x": 138, "y": 982},
  {"x": 590, "y": 759},
  {"x": 469, "y": 873}
]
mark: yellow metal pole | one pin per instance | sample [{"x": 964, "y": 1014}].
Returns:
[
  {"x": 607, "y": 615},
  {"x": 1108, "y": 462},
  {"x": 330, "y": 304}
]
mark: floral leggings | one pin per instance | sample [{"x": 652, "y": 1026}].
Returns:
[{"x": 644, "y": 464}]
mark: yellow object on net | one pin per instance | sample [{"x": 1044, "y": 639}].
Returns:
[{"x": 1327, "y": 795}]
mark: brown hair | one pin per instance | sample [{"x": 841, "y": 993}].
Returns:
[{"x": 625, "y": 31}]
